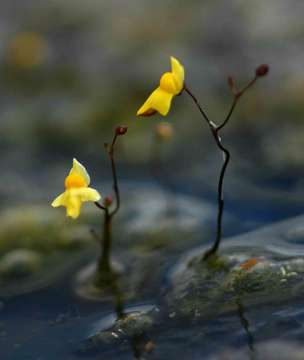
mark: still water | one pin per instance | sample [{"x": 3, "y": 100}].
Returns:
[{"x": 170, "y": 309}]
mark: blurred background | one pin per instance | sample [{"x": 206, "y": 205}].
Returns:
[{"x": 73, "y": 70}]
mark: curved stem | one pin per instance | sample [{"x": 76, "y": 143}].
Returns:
[
  {"x": 104, "y": 263},
  {"x": 101, "y": 207},
  {"x": 220, "y": 198},
  {"x": 201, "y": 110},
  {"x": 220, "y": 194},
  {"x": 215, "y": 129},
  {"x": 232, "y": 107},
  {"x": 236, "y": 98},
  {"x": 114, "y": 174}
]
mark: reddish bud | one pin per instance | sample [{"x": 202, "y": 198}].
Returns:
[
  {"x": 262, "y": 70},
  {"x": 108, "y": 201},
  {"x": 121, "y": 130}
]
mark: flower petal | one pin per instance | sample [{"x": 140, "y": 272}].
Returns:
[
  {"x": 159, "y": 101},
  {"x": 59, "y": 201},
  {"x": 169, "y": 83},
  {"x": 73, "y": 198},
  {"x": 85, "y": 194},
  {"x": 178, "y": 72},
  {"x": 79, "y": 169},
  {"x": 73, "y": 205}
]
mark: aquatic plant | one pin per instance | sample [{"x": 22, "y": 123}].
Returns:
[
  {"x": 172, "y": 84},
  {"x": 104, "y": 263},
  {"x": 77, "y": 191}
]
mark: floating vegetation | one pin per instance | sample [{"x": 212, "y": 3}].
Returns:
[
  {"x": 250, "y": 274},
  {"x": 33, "y": 240},
  {"x": 19, "y": 263},
  {"x": 131, "y": 327},
  {"x": 201, "y": 289}
]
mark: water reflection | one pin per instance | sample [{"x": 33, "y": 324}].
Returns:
[
  {"x": 246, "y": 326},
  {"x": 140, "y": 342}
]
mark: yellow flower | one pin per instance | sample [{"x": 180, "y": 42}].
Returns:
[
  {"x": 77, "y": 191},
  {"x": 171, "y": 84}
]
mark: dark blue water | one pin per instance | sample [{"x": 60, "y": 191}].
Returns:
[{"x": 56, "y": 323}]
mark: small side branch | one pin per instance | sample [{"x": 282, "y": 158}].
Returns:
[
  {"x": 215, "y": 130},
  {"x": 104, "y": 261},
  {"x": 101, "y": 207},
  {"x": 235, "y": 100}
]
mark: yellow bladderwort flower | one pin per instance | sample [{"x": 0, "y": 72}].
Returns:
[
  {"x": 77, "y": 191},
  {"x": 171, "y": 84}
]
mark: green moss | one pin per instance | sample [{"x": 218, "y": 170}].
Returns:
[
  {"x": 19, "y": 263},
  {"x": 40, "y": 229},
  {"x": 216, "y": 286},
  {"x": 217, "y": 263}
]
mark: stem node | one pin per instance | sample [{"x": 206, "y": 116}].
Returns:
[{"x": 215, "y": 130}]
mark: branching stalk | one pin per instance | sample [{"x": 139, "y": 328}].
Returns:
[
  {"x": 105, "y": 261},
  {"x": 215, "y": 130}
]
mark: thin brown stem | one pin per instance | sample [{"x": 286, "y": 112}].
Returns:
[
  {"x": 101, "y": 207},
  {"x": 215, "y": 130},
  {"x": 104, "y": 263},
  {"x": 114, "y": 175},
  {"x": 236, "y": 98},
  {"x": 220, "y": 199},
  {"x": 201, "y": 110}
]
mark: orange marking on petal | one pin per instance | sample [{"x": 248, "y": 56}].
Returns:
[{"x": 74, "y": 181}]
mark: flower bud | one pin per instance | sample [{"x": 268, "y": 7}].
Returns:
[
  {"x": 164, "y": 131},
  {"x": 121, "y": 130},
  {"x": 262, "y": 70},
  {"x": 108, "y": 200}
]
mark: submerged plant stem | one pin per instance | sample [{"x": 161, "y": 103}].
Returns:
[
  {"x": 215, "y": 130},
  {"x": 104, "y": 261}
]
